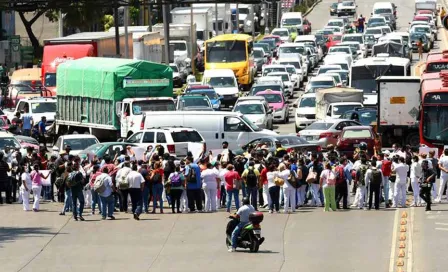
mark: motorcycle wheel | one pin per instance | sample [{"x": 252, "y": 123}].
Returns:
[
  {"x": 228, "y": 244},
  {"x": 255, "y": 245}
]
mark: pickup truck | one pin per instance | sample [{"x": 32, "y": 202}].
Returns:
[{"x": 36, "y": 106}]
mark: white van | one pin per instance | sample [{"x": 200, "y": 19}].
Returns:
[
  {"x": 225, "y": 84},
  {"x": 291, "y": 19},
  {"x": 215, "y": 127},
  {"x": 382, "y": 8}
]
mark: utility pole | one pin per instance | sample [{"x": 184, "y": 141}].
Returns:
[
  {"x": 126, "y": 40},
  {"x": 117, "y": 34},
  {"x": 166, "y": 32},
  {"x": 192, "y": 41},
  {"x": 61, "y": 24},
  {"x": 237, "y": 19},
  {"x": 216, "y": 19}
]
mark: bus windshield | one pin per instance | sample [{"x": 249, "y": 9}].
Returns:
[
  {"x": 435, "y": 124},
  {"x": 364, "y": 77},
  {"x": 436, "y": 67},
  {"x": 226, "y": 51}
]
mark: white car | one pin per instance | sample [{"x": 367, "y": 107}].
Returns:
[
  {"x": 347, "y": 8},
  {"x": 305, "y": 111},
  {"x": 337, "y": 78},
  {"x": 294, "y": 75},
  {"x": 256, "y": 109},
  {"x": 289, "y": 85},
  {"x": 297, "y": 63},
  {"x": 335, "y": 22},
  {"x": 319, "y": 82},
  {"x": 328, "y": 67},
  {"x": 272, "y": 68},
  {"x": 7, "y": 140},
  {"x": 77, "y": 143},
  {"x": 424, "y": 29},
  {"x": 357, "y": 46},
  {"x": 377, "y": 32},
  {"x": 283, "y": 33}
]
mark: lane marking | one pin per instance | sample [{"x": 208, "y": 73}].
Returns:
[
  {"x": 394, "y": 241},
  {"x": 410, "y": 262},
  {"x": 444, "y": 229},
  {"x": 444, "y": 224}
]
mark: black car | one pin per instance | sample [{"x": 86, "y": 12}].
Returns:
[
  {"x": 268, "y": 144},
  {"x": 366, "y": 116},
  {"x": 334, "y": 9}
]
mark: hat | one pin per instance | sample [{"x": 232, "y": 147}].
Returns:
[{"x": 386, "y": 153}]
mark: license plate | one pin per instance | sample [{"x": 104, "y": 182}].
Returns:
[
  {"x": 257, "y": 231},
  {"x": 309, "y": 138},
  {"x": 356, "y": 145}
]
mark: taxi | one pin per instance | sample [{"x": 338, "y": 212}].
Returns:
[{"x": 278, "y": 103}]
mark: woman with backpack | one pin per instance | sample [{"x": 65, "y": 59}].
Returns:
[
  {"x": 157, "y": 186},
  {"x": 177, "y": 184},
  {"x": 327, "y": 183}
]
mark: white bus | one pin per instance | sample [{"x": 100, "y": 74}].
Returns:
[{"x": 364, "y": 72}]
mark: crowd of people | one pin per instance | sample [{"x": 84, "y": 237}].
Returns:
[{"x": 270, "y": 180}]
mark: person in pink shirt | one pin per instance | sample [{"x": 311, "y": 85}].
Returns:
[
  {"x": 36, "y": 178},
  {"x": 232, "y": 187}
]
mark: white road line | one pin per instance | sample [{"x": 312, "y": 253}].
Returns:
[
  {"x": 393, "y": 249},
  {"x": 410, "y": 262},
  {"x": 444, "y": 229},
  {"x": 444, "y": 224}
]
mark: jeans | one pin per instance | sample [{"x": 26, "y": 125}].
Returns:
[
  {"x": 222, "y": 195},
  {"x": 107, "y": 205},
  {"x": 175, "y": 199},
  {"x": 233, "y": 192},
  {"x": 329, "y": 198},
  {"x": 341, "y": 193},
  {"x": 252, "y": 194},
  {"x": 274, "y": 192},
  {"x": 77, "y": 196},
  {"x": 96, "y": 200},
  {"x": 26, "y": 132},
  {"x": 194, "y": 197},
  {"x": 386, "y": 189},
  {"x": 123, "y": 200},
  {"x": 301, "y": 195},
  {"x": 145, "y": 197},
  {"x": 243, "y": 188},
  {"x": 236, "y": 232},
  {"x": 136, "y": 199},
  {"x": 68, "y": 202},
  {"x": 157, "y": 190},
  {"x": 374, "y": 189},
  {"x": 316, "y": 195}
]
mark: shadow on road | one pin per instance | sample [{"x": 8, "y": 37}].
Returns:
[{"x": 10, "y": 234}]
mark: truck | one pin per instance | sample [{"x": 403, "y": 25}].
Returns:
[
  {"x": 246, "y": 16},
  {"x": 76, "y": 46},
  {"x": 332, "y": 102},
  {"x": 398, "y": 110},
  {"x": 148, "y": 46},
  {"x": 202, "y": 17},
  {"x": 426, "y": 5},
  {"x": 224, "y": 15},
  {"x": 108, "y": 97}
]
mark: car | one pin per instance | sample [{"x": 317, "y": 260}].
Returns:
[
  {"x": 352, "y": 136},
  {"x": 305, "y": 111},
  {"x": 336, "y": 49},
  {"x": 179, "y": 78},
  {"x": 334, "y": 9},
  {"x": 366, "y": 116},
  {"x": 336, "y": 77},
  {"x": 375, "y": 20},
  {"x": 294, "y": 75},
  {"x": 4, "y": 124},
  {"x": 272, "y": 68},
  {"x": 174, "y": 140},
  {"x": 347, "y": 8},
  {"x": 301, "y": 72},
  {"x": 327, "y": 67},
  {"x": 264, "y": 86},
  {"x": 319, "y": 82},
  {"x": 283, "y": 33},
  {"x": 344, "y": 74},
  {"x": 325, "y": 132},
  {"x": 336, "y": 22},
  {"x": 268, "y": 51},
  {"x": 336, "y": 29},
  {"x": 9, "y": 142},
  {"x": 77, "y": 142},
  {"x": 356, "y": 47},
  {"x": 260, "y": 58},
  {"x": 110, "y": 149},
  {"x": 269, "y": 144},
  {"x": 207, "y": 90},
  {"x": 426, "y": 30},
  {"x": 257, "y": 110},
  {"x": 415, "y": 37},
  {"x": 276, "y": 38},
  {"x": 272, "y": 45},
  {"x": 26, "y": 142},
  {"x": 287, "y": 82},
  {"x": 369, "y": 42},
  {"x": 195, "y": 102},
  {"x": 278, "y": 103},
  {"x": 306, "y": 26},
  {"x": 377, "y": 32}
]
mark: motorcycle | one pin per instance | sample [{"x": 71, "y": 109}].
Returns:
[{"x": 250, "y": 235}]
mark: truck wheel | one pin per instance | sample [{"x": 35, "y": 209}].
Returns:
[{"x": 413, "y": 139}]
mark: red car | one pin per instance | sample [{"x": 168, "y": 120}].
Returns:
[
  {"x": 422, "y": 18},
  {"x": 352, "y": 136},
  {"x": 306, "y": 27},
  {"x": 278, "y": 40},
  {"x": 333, "y": 40}
]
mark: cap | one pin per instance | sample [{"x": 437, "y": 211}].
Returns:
[
  {"x": 386, "y": 153},
  {"x": 67, "y": 147}
]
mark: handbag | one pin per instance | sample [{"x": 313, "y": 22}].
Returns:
[
  {"x": 279, "y": 181},
  {"x": 237, "y": 184},
  {"x": 312, "y": 177}
]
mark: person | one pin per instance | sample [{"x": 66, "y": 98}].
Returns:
[
  {"x": 332, "y": 154},
  {"x": 106, "y": 197},
  {"x": 16, "y": 124},
  {"x": 193, "y": 177},
  {"x": 136, "y": 183},
  {"x": 123, "y": 185},
  {"x": 36, "y": 178},
  {"x": 42, "y": 130},
  {"x": 177, "y": 183},
  {"x": 327, "y": 183},
  {"x": 64, "y": 172},
  {"x": 280, "y": 151},
  {"x": 442, "y": 13},
  {"x": 251, "y": 177},
  {"x": 302, "y": 173},
  {"x": 315, "y": 167},
  {"x": 95, "y": 172},
  {"x": 401, "y": 169},
  {"x": 416, "y": 174},
  {"x": 227, "y": 155},
  {"x": 223, "y": 195},
  {"x": 75, "y": 183},
  {"x": 243, "y": 214},
  {"x": 274, "y": 188},
  {"x": 233, "y": 182},
  {"x": 361, "y": 183},
  {"x": 443, "y": 166},
  {"x": 342, "y": 175},
  {"x": 156, "y": 178},
  {"x": 210, "y": 184},
  {"x": 289, "y": 177},
  {"x": 191, "y": 78},
  {"x": 27, "y": 123},
  {"x": 374, "y": 178},
  {"x": 361, "y": 21},
  {"x": 420, "y": 48},
  {"x": 386, "y": 169},
  {"x": 428, "y": 177},
  {"x": 26, "y": 187},
  {"x": 4, "y": 179}
]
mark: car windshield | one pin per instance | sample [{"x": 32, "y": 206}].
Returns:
[
  {"x": 319, "y": 126},
  {"x": 249, "y": 108},
  {"x": 421, "y": 29},
  {"x": 186, "y": 136},
  {"x": 10, "y": 142},
  {"x": 152, "y": 105},
  {"x": 269, "y": 70},
  {"x": 357, "y": 133},
  {"x": 376, "y": 20},
  {"x": 366, "y": 118},
  {"x": 50, "y": 79},
  {"x": 271, "y": 42},
  {"x": 221, "y": 82},
  {"x": 416, "y": 36},
  {"x": 295, "y": 63},
  {"x": 340, "y": 109},
  {"x": 225, "y": 51},
  {"x": 258, "y": 54},
  {"x": 273, "y": 98},
  {"x": 291, "y": 21},
  {"x": 336, "y": 78},
  {"x": 262, "y": 88},
  {"x": 322, "y": 83},
  {"x": 281, "y": 33},
  {"x": 292, "y": 49},
  {"x": 80, "y": 144},
  {"x": 435, "y": 123},
  {"x": 334, "y": 5},
  {"x": 210, "y": 93},
  {"x": 325, "y": 69},
  {"x": 291, "y": 70},
  {"x": 265, "y": 46},
  {"x": 386, "y": 30},
  {"x": 291, "y": 140},
  {"x": 348, "y": 4},
  {"x": 436, "y": 67},
  {"x": 337, "y": 38},
  {"x": 373, "y": 31},
  {"x": 342, "y": 74},
  {"x": 307, "y": 102},
  {"x": 43, "y": 107},
  {"x": 369, "y": 39},
  {"x": 328, "y": 32},
  {"x": 179, "y": 46},
  {"x": 199, "y": 101},
  {"x": 354, "y": 46},
  {"x": 335, "y": 23},
  {"x": 335, "y": 49},
  {"x": 382, "y": 11},
  {"x": 174, "y": 68}
]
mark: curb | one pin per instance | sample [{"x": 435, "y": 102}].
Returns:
[{"x": 312, "y": 7}]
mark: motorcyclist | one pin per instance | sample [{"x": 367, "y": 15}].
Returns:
[{"x": 243, "y": 214}]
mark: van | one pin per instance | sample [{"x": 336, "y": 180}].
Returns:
[
  {"x": 225, "y": 84},
  {"x": 344, "y": 60},
  {"x": 215, "y": 127},
  {"x": 383, "y": 8},
  {"x": 292, "y": 19}
]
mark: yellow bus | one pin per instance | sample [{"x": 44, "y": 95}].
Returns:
[{"x": 232, "y": 51}]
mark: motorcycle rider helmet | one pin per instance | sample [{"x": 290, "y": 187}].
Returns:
[
  {"x": 246, "y": 201},
  {"x": 363, "y": 146}
]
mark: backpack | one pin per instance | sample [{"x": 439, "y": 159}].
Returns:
[
  {"x": 176, "y": 180},
  {"x": 71, "y": 180},
  {"x": 376, "y": 177},
  {"x": 99, "y": 186},
  {"x": 293, "y": 180},
  {"x": 191, "y": 175},
  {"x": 123, "y": 183},
  {"x": 340, "y": 177},
  {"x": 386, "y": 168},
  {"x": 362, "y": 177},
  {"x": 251, "y": 178},
  {"x": 156, "y": 178}
]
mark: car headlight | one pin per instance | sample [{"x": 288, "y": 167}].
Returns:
[
  {"x": 300, "y": 115},
  {"x": 235, "y": 95},
  {"x": 215, "y": 106}
]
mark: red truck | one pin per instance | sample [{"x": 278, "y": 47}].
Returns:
[{"x": 76, "y": 46}]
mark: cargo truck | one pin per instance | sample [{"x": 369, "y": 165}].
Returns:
[
  {"x": 224, "y": 16},
  {"x": 202, "y": 17},
  {"x": 333, "y": 102},
  {"x": 108, "y": 97},
  {"x": 398, "y": 109},
  {"x": 86, "y": 44}
]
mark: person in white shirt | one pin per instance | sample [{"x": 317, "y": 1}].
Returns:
[
  {"x": 289, "y": 192},
  {"x": 223, "y": 195},
  {"x": 136, "y": 184},
  {"x": 210, "y": 184},
  {"x": 443, "y": 165},
  {"x": 123, "y": 186},
  {"x": 273, "y": 188},
  {"x": 401, "y": 169},
  {"x": 416, "y": 174},
  {"x": 191, "y": 78},
  {"x": 25, "y": 188},
  {"x": 106, "y": 197}
]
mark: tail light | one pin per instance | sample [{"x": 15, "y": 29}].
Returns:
[
  {"x": 327, "y": 135},
  {"x": 142, "y": 124},
  {"x": 298, "y": 134},
  {"x": 256, "y": 226},
  {"x": 171, "y": 149},
  {"x": 342, "y": 143}
]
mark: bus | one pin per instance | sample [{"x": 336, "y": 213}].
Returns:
[
  {"x": 433, "y": 125},
  {"x": 232, "y": 51},
  {"x": 364, "y": 72},
  {"x": 436, "y": 62}
]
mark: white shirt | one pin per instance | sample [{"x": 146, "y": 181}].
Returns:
[
  {"x": 222, "y": 172},
  {"x": 135, "y": 179},
  {"x": 401, "y": 170},
  {"x": 191, "y": 79},
  {"x": 107, "y": 183},
  {"x": 271, "y": 176},
  {"x": 444, "y": 162},
  {"x": 356, "y": 165},
  {"x": 325, "y": 175},
  {"x": 416, "y": 170},
  {"x": 122, "y": 174},
  {"x": 284, "y": 175},
  {"x": 209, "y": 176},
  {"x": 27, "y": 178},
  {"x": 368, "y": 178}
]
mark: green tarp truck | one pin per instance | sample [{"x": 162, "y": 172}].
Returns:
[{"x": 101, "y": 96}]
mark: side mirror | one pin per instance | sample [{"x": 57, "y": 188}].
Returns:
[
  {"x": 55, "y": 149},
  {"x": 118, "y": 107},
  {"x": 295, "y": 106}
]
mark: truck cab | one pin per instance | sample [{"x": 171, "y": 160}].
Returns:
[{"x": 37, "y": 107}]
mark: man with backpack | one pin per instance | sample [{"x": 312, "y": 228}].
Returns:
[
  {"x": 136, "y": 183},
  {"x": 361, "y": 182},
  {"x": 251, "y": 177},
  {"x": 193, "y": 177},
  {"x": 75, "y": 183},
  {"x": 104, "y": 187},
  {"x": 374, "y": 177},
  {"x": 342, "y": 175},
  {"x": 123, "y": 185}
]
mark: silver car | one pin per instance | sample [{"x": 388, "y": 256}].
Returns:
[
  {"x": 257, "y": 110},
  {"x": 325, "y": 132}
]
